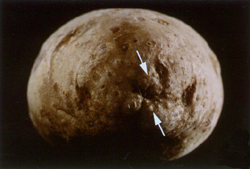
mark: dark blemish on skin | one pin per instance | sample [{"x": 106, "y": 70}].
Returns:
[
  {"x": 69, "y": 103},
  {"x": 204, "y": 104},
  {"x": 148, "y": 44},
  {"x": 55, "y": 86},
  {"x": 96, "y": 76},
  {"x": 163, "y": 73},
  {"x": 115, "y": 29},
  {"x": 147, "y": 93},
  {"x": 125, "y": 47},
  {"x": 161, "y": 70},
  {"x": 83, "y": 95},
  {"x": 207, "y": 122},
  {"x": 160, "y": 21},
  {"x": 122, "y": 36},
  {"x": 97, "y": 103},
  {"x": 198, "y": 97},
  {"x": 109, "y": 74},
  {"x": 151, "y": 43},
  {"x": 188, "y": 94},
  {"x": 115, "y": 94}
]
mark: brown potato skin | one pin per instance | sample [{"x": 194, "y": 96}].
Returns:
[{"x": 86, "y": 81}]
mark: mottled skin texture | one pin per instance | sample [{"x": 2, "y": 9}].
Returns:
[{"x": 87, "y": 81}]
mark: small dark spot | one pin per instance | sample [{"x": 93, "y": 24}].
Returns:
[
  {"x": 121, "y": 37},
  {"x": 97, "y": 103},
  {"x": 148, "y": 93},
  {"x": 148, "y": 43},
  {"x": 54, "y": 106},
  {"x": 135, "y": 41},
  {"x": 83, "y": 95},
  {"x": 198, "y": 97},
  {"x": 115, "y": 29},
  {"x": 175, "y": 35},
  {"x": 204, "y": 104},
  {"x": 55, "y": 86},
  {"x": 109, "y": 74},
  {"x": 102, "y": 86},
  {"x": 77, "y": 45},
  {"x": 125, "y": 47},
  {"x": 194, "y": 128},
  {"x": 115, "y": 94},
  {"x": 66, "y": 94},
  {"x": 134, "y": 86},
  {"x": 141, "y": 19},
  {"x": 204, "y": 130},
  {"x": 160, "y": 21},
  {"x": 188, "y": 94},
  {"x": 96, "y": 76},
  {"x": 93, "y": 56},
  {"x": 163, "y": 74},
  {"x": 204, "y": 81},
  {"x": 69, "y": 103},
  {"x": 161, "y": 70},
  {"x": 162, "y": 94},
  {"x": 207, "y": 122},
  {"x": 151, "y": 43}
]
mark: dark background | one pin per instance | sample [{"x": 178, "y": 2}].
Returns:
[{"x": 26, "y": 25}]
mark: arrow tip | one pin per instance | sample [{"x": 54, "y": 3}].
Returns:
[
  {"x": 144, "y": 67},
  {"x": 156, "y": 119}
]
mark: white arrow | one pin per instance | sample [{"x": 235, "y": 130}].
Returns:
[
  {"x": 143, "y": 64},
  {"x": 157, "y": 122}
]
